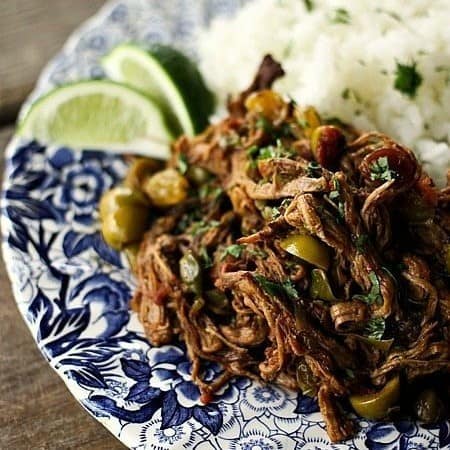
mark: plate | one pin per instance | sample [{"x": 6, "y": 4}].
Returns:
[{"x": 73, "y": 290}]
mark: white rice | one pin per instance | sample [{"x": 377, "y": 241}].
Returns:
[{"x": 324, "y": 60}]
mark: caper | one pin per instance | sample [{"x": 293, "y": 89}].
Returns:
[
  {"x": 166, "y": 188},
  {"x": 429, "y": 407},
  {"x": 190, "y": 272}
]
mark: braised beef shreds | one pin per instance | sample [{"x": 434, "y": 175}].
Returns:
[{"x": 386, "y": 229}]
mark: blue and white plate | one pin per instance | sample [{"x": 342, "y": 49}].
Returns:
[{"x": 73, "y": 290}]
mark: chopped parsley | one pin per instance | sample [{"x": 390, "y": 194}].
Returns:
[
  {"x": 207, "y": 190},
  {"x": 258, "y": 253},
  {"x": 182, "y": 163},
  {"x": 206, "y": 259},
  {"x": 374, "y": 295},
  {"x": 407, "y": 79},
  {"x": 309, "y": 5},
  {"x": 269, "y": 152},
  {"x": 335, "y": 197},
  {"x": 202, "y": 226},
  {"x": 375, "y": 328},
  {"x": 340, "y": 15},
  {"x": 286, "y": 288},
  {"x": 313, "y": 169},
  {"x": 276, "y": 211},
  {"x": 380, "y": 170},
  {"x": 361, "y": 242},
  {"x": 235, "y": 250}
]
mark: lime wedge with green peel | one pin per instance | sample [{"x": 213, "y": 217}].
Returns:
[
  {"x": 99, "y": 115},
  {"x": 169, "y": 78}
]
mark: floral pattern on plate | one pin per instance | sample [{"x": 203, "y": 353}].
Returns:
[{"x": 73, "y": 290}]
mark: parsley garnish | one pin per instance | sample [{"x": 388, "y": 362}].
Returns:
[
  {"x": 259, "y": 253},
  {"x": 286, "y": 288},
  {"x": 407, "y": 79},
  {"x": 380, "y": 170},
  {"x": 361, "y": 242},
  {"x": 267, "y": 152},
  {"x": 206, "y": 259},
  {"x": 182, "y": 163},
  {"x": 206, "y": 190},
  {"x": 313, "y": 169},
  {"x": 335, "y": 197},
  {"x": 375, "y": 328},
  {"x": 201, "y": 226},
  {"x": 341, "y": 15},
  {"x": 374, "y": 295},
  {"x": 235, "y": 250}
]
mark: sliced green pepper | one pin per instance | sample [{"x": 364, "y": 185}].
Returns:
[
  {"x": 320, "y": 287},
  {"x": 308, "y": 248},
  {"x": 377, "y": 405}
]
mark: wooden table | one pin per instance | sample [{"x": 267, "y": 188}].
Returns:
[{"x": 37, "y": 411}]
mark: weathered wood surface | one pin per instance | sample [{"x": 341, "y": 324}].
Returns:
[
  {"x": 37, "y": 410},
  {"x": 31, "y": 31}
]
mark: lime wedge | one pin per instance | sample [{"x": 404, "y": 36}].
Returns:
[
  {"x": 98, "y": 115},
  {"x": 169, "y": 78}
]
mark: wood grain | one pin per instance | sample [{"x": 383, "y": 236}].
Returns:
[
  {"x": 37, "y": 410},
  {"x": 31, "y": 31}
]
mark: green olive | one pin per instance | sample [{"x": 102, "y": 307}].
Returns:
[
  {"x": 308, "y": 248},
  {"x": 429, "y": 407},
  {"x": 198, "y": 175},
  {"x": 124, "y": 226},
  {"x": 308, "y": 118},
  {"x": 166, "y": 188},
  {"x": 190, "y": 272},
  {"x": 139, "y": 170},
  {"x": 118, "y": 197},
  {"x": 377, "y": 405},
  {"x": 124, "y": 216},
  {"x": 266, "y": 102},
  {"x": 306, "y": 380},
  {"x": 320, "y": 287},
  {"x": 217, "y": 302}
]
